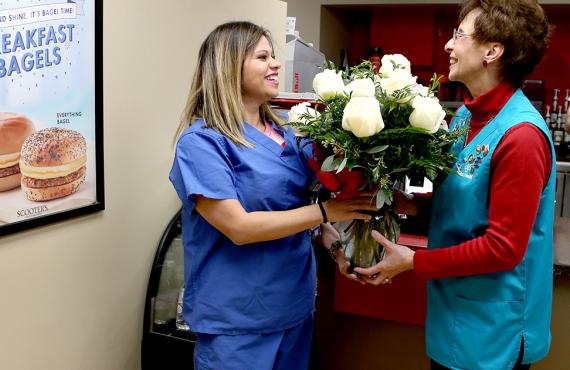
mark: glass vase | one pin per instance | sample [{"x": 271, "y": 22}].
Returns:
[{"x": 361, "y": 248}]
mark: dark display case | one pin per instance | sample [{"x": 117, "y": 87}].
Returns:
[{"x": 167, "y": 342}]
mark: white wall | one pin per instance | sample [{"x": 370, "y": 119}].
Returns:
[{"x": 72, "y": 294}]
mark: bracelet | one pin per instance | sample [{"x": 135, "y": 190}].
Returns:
[
  {"x": 336, "y": 245},
  {"x": 323, "y": 212}
]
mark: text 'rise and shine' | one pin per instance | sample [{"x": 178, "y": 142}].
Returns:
[{"x": 23, "y": 16}]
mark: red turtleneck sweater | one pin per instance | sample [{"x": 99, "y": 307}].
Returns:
[{"x": 520, "y": 168}]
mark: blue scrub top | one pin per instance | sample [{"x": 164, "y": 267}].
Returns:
[{"x": 255, "y": 288}]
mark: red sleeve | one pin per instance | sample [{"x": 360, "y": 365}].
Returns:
[{"x": 520, "y": 168}]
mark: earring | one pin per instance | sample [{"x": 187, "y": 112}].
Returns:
[{"x": 485, "y": 63}]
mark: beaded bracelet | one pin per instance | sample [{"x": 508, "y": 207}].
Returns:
[{"x": 336, "y": 245}]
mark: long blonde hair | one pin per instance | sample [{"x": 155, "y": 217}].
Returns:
[{"x": 215, "y": 94}]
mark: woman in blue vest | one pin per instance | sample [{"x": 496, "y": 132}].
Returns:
[
  {"x": 490, "y": 246},
  {"x": 244, "y": 185}
]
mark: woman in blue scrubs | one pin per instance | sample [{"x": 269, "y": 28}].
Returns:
[{"x": 244, "y": 184}]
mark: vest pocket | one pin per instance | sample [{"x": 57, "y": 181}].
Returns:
[{"x": 486, "y": 334}]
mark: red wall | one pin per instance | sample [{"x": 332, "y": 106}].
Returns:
[
  {"x": 555, "y": 67},
  {"x": 410, "y": 33},
  {"x": 421, "y": 31}
]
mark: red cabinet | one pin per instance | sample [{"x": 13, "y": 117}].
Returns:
[
  {"x": 404, "y": 300},
  {"x": 420, "y": 32},
  {"x": 410, "y": 33}
]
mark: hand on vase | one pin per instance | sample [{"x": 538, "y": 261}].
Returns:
[
  {"x": 344, "y": 267},
  {"x": 329, "y": 236},
  {"x": 397, "y": 259},
  {"x": 339, "y": 209}
]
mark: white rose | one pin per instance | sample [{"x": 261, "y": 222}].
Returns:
[
  {"x": 392, "y": 84},
  {"x": 328, "y": 84},
  {"x": 395, "y": 65},
  {"x": 360, "y": 87},
  {"x": 362, "y": 116},
  {"x": 427, "y": 114},
  {"x": 300, "y": 109}
]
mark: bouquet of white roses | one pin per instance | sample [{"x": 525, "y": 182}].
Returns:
[{"x": 374, "y": 130}]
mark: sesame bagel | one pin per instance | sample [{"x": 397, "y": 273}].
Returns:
[
  {"x": 53, "y": 163},
  {"x": 51, "y": 147}
]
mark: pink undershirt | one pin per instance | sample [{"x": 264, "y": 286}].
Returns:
[{"x": 273, "y": 134}]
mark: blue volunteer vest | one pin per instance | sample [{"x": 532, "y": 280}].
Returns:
[{"x": 477, "y": 322}]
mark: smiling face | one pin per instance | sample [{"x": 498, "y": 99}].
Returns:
[
  {"x": 260, "y": 77},
  {"x": 465, "y": 54}
]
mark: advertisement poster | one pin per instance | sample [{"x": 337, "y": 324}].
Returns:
[{"x": 50, "y": 113}]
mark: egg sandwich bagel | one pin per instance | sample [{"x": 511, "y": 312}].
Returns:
[{"x": 52, "y": 163}]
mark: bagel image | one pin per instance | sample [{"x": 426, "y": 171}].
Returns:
[
  {"x": 53, "y": 163},
  {"x": 14, "y": 130}
]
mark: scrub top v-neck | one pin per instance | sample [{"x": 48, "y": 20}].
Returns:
[{"x": 260, "y": 287}]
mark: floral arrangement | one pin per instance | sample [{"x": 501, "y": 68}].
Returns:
[{"x": 372, "y": 131}]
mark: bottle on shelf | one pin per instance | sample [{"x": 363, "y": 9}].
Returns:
[
  {"x": 547, "y": 120},
  {"x": 553, "y": 123},
  {"x": 553, "y": 116},
  {"x": 566, "y": 134},
  {"x": 564, "y": 111},
  {"x": 559, "y": 131},
  {"x": 375, "y": 55}
]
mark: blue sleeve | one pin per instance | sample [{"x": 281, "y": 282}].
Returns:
[
  {"x": 306, "y": 146},
  {"x": 202, "y": 167}
]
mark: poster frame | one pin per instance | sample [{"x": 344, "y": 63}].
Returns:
[{"x": 99, "y": 203}]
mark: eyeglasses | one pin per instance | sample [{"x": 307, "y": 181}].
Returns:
[{"x": 458, "y": 34}]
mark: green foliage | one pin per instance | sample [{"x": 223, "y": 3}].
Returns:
[{"x": 386, "y": 157}]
